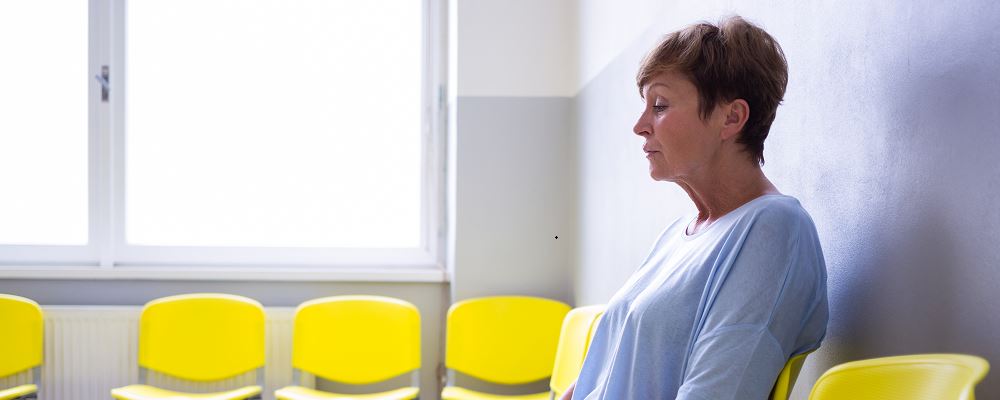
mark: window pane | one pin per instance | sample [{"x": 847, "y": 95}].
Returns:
[
  {"x": 274, "y": 123},
  {"x": 43, "y": 122}
]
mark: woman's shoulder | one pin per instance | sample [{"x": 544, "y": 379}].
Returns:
[
  {"x": 779, "y": 227},
  {"x": 778, "y": 211},
  {"x": 777, "y": 208}
]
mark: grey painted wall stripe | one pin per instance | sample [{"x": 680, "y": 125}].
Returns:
[{"x": 515, "y": 197}]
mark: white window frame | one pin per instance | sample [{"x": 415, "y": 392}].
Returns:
[{"x": 108, "y": 256}]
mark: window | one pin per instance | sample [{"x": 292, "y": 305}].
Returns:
[
  {"x": 45, "y": 202},
  {"x": 233, "y": 133}
]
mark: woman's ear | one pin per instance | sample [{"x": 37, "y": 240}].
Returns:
[{"x": 736, "y": 113}]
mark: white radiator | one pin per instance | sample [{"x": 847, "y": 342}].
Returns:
[{"x": 90, "y": 350}]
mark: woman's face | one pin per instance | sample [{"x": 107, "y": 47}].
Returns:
[{"x": 679, "y": 144}]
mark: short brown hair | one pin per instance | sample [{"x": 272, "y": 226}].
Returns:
[{"x": 732, "y": 60}]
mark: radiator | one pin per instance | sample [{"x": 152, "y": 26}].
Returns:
[{"x": 90, "y": 350}]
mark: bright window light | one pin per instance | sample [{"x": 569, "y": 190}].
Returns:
[
  {"x": 268, "y": 123},
  {"x": 43, "y": 122}
]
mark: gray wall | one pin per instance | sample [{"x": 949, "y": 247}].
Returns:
[
  {"x": 514, "y": 198},
  {"x": 889, "y": 137},
  {"x": 512, "y": 148}
]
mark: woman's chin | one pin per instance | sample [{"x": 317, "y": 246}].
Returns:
[
  {"x": 657, "y": 173},
  {"x": 657, "y": 177},
  {"x": 660, "y": 176}
]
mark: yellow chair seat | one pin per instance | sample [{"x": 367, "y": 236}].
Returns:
[
  {"x": 17, "y": 391},
  {"x": 457, "y": 393},
  {"x": 303, "y": 393},
  {"x": 146, "y": 392}
]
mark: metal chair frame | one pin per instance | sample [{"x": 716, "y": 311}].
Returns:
[{"x": 258, "y": 377}]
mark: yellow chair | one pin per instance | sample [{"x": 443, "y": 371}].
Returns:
[
  {"x": 507, "y": 340},
  {"x": 20, "y": 344},
  {"x": 574, "y": 339},
  {"x": 199, "y": 337},
  {"x": 786, "y": 378},
  {"x": 912, "y": 377},
  {"x": 355, "y": 340}
]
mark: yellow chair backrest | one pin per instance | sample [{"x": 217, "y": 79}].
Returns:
[
  {"x": 202, "y": 337},
  {"x": 912, "y": 377},
  {"x": 20, "y": 335},
  {"x": 504, "y": 339},
  {"x": 357, "y": 339},
  {"x": 787, "y": 376},
  {"x": 574, "y": 339}
]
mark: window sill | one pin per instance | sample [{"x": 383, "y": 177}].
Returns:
[{"x": 188, "y": 273}]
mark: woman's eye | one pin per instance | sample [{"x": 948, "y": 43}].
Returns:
[{"x": 659, "y": 108}]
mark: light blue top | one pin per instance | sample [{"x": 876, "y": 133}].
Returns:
[{"x": 715, "y": 315}]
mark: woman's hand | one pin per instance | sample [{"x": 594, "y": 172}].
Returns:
[{"x": 569, "y": 392}]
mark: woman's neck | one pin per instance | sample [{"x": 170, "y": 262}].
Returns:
[{"x": 727, "y": 190}]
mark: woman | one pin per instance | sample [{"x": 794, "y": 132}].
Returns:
[{"x": 725, "y": 297}]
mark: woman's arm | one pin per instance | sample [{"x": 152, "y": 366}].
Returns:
[{"x": 771, "y": 302}]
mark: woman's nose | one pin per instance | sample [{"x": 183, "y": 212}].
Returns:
[{"x": 641, "y": 128}]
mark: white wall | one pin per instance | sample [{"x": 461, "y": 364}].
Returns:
[
  {"x": 888, "y": 135},
  {"x": 516, "y": 48},
  {"x": 604, "y": 28}
]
